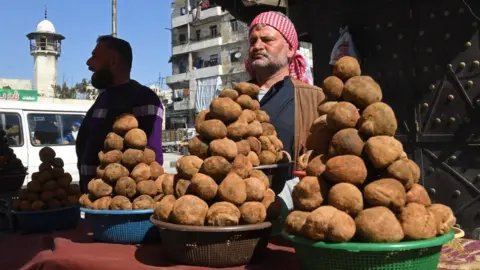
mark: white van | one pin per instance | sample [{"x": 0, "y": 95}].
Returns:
[{"x": 31, "y": 126}]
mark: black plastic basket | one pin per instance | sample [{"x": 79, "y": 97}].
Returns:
[
  {"x": 214, "y": 246},
  {"x": 48, "y": 220}
]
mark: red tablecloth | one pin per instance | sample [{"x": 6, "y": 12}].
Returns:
[{"x": 74, "y": 250}]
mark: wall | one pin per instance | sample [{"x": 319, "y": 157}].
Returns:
[
  {"x": 205, "y": 53},
  {"x": 65, "y": 101},
  {"x": 204, "y": 31},
  {"x": 21, "y": 84},
  {"x": 45, "y": 73}
]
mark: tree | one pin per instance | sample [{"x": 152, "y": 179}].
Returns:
[
  {"x": 81, "y": 90},
  {"x": 63, "y": 92}
]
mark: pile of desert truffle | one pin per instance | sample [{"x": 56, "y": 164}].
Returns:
[
  {"x": 360, "y": 184},
  {"x": 127, "y": 175},
  {"x": 216, "y": 184},
  {"x": 51, "y": 187}
]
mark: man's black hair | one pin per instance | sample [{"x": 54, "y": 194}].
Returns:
[{"x": 120, "y": 46}]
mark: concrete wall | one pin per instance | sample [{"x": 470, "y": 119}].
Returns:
[
  {"x": 20, "y": 84},
  {"x": 45, "y": 73}
]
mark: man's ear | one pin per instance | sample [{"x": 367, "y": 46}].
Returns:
[{"x": 290, "y": 52}]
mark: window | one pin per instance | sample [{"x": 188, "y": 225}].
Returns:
[
  {"x": 181, "y": 38},
  {"x": 235, "y": 55},
  {"x": 234, "y": 25},
  {"x": 43, "y": 43},
  {"x": 54, "y": 129},
  {"x": 11, "y": 124},
  {"x": 214, "y": 60},
  {"x": 213, "y": 31},
  {"x": 197, "y": 33}
]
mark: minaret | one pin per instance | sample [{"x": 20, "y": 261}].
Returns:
[{"x": 45, "y": 47}]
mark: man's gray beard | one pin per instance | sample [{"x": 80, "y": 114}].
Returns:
[{"x": 270, "y": 68}]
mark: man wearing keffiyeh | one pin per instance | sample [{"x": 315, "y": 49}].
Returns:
[{"x": 287, "y": 94}]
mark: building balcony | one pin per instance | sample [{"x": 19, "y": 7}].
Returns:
[
  {"x": 196, "y": 45},
  {"x": 185, "y": 104},
  {"x": 45, "y": 47},
  {"x": 208, "y": 72},
  {"x": 204, "y": 16},
  {"x": 181, "y": 77}
]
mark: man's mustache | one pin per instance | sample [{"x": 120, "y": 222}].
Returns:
[{"x": 264, "y": 54}]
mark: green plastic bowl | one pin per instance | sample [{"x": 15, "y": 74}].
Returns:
[{"x": 421, "y": 255}]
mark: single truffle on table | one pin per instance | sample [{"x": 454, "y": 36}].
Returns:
[
  {"x": 143, "y": 202},
  {"x": 204, "y": 186},
  {"x": 386, "y": 192},
  {"x": 163, "y": 209},
  {"x": 362, "y": 91},
  {"x": 187, "y": 166},
  {"x": 333, "y": 87},
  {"x": 295, "y": 221},
  {"x": 125, "y": 123},
  {"x": 223, "y": 214},
  {"x": 309, "y": 193},
  {"x": 346, "y": 68},
  {"x": 378, "y": 225},
  {"x": 417, "y": 222},
  {"x": 382, "y": 151},
  {"x": 233, "y": 189},
  {"x": 316, "y": 224},
  {"x": 189, "y": 210},
  {"x": 253, "y": 212},
  {"x": 346, "y": 197},
  {"x": 346, "y": 169},
  {"x": 378, "y": 119}
]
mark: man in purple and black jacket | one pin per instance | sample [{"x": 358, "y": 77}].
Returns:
[{"x": 111, "y": 63}]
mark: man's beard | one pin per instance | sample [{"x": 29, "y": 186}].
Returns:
[
  {"x": 268, "y": 64},
  {"x": 102, "y": 79}
]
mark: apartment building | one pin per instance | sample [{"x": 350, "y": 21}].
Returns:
[{"x": 209, "y": 48}]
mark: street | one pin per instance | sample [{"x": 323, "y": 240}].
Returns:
[{"x": 169, "y": 160}]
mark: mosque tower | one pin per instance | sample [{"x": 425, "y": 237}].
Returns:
[{"x": 45, "y": 47}]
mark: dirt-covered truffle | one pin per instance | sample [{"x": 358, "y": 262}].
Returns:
[
  {"x": 204, "y": 186},
  {"x": 168, "y": 186},
  {"x": 125, "y": 123},
  {"x": 316, "y": 224},
  {"x": 443, "y": 216},
  {"x": 229, "y": 93},
  {"x": 253, "y": 158},
  {"x": 132, "y": 157},
  {"x": 250, "y": 89},
  {"x": 255, "y": 189},
  {"x": 98, "y": 188},
  {"x": 417, "y": 222},
  {"x": 262, "y": 176},
  {"x": 147, "y": 187},
  {"x": 418, "y": 194},
  {"x": 241, "y": 166},
  {"x": 187, "y": 166},
  {"x": 341, "y": 227},
  {"x": 309, "y": 193},
  {"x": 346, "y": 142},
  {"x": 198, "y": 147},
  {"x": 212, "y": 129},
  {"x": 362, "y": 91},
  {"x": 343, "y": 115},
  {"x": 267, "y": 158},
  {"x": 223, "y": 214},
  {"x": 225, "y": 109},
  {"x": 316, "y": 166},
  {"x": 325, "y": 107},
  {"x": 253, "y": 212},
  {"x": 156, "y": 170},
  {"x": 378, "y": 225},
  {"x": 406, "y": 171},
  {"x": 346, "y": 169},
  {"x": 247, "y": 116},
  {"x": 136, "y": 138},
  {"x": 386, "y": 192},
  {"x": 378, "y": 119},
  {"x": 255, "y": 129},
  {"x": 143, "y": 202},
  {"x": 113, "y": 172},
  {"x": 113, "y": 142},
  {"x": 113, "y": 156},
  {"x": 346, "y": 197},
  {"x": 246, "y": 102},
  {"x": 233, "y": 189},
  {"x": 333, "y": 87},
  {"x": 148, "y": 156},
  {"x": 163, "y": 209},
  {"x": 237, "y": 130},
  {"x": 243, "y": 147},
  {"x": 255, "y": 145},
  {"x": 225, "y": 148},
  {"x": 102, "y": 203},
  {"x": 120, "y": 203},
  {"x": 47, "y": 154},
  {"x": 126, "y": 186},
  {"x": 295, "y": 221},
  {"x": 189, "y": 210},
  {"x": 383, "y": 150},
  {"x": 346, "y": 68},
  {"x": 181, "y": 187}
]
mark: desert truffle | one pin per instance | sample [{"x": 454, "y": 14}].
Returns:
[
  {"x": 346, "y": 68},
  {"x": 378, "y": 225},
  {"x": 346, "y": 169},
  {"x": 189, "y": 210},
  {"x": 346, "y": 197}
]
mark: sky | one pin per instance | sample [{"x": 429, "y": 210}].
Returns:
[{"x": 144, "y": 23}]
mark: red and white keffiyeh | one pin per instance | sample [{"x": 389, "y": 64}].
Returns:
[{"x": 283, "y": 25}]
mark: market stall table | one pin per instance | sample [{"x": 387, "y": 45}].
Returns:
[{"x": 74, "y": 249}]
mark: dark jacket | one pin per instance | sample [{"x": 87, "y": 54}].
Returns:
[{"x": 131, "y": 97}]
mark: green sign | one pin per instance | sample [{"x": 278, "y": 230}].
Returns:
[{"x": 18, "y": 95}]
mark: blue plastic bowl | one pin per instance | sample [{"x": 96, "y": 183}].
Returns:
[
  {"x": 121, "y": 226},
  {"x": 48, "y": 220}
]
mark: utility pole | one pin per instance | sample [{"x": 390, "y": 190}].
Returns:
[{"x": 114, "y": 18}]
